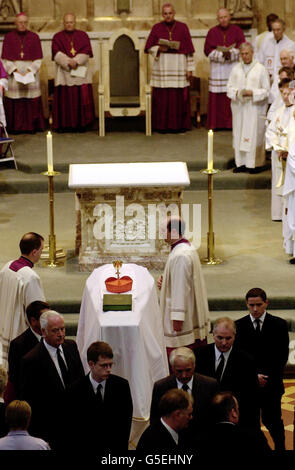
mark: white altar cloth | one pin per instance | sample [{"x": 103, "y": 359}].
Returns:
[
  {"x": 136, "y": 336},
  {"x": 128, "y": 174}
]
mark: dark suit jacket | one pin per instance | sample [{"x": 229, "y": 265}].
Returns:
[
  {"x": 239, "y": 377},
  {"x": 3, "y": 426},
  {"x": 41, "y": 387},
  {"x": 18, "y": 348},
  {"x": 204, "y": 388},
  {"x": 99, "y": 427},
  {"x": 156, "y": 439},
  {"x": 226, "y": 437},
  {"x": 271, "y": 354}
]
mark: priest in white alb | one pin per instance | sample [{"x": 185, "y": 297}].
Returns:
[
  {"x": 183, "y": 300},
  {"x": 289, "y": 205},
  {"x": 277, "y": 138},
  {"x": 248, "y": 88}
]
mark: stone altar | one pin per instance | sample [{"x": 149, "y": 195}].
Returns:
[{"x": 122, "y": 208}]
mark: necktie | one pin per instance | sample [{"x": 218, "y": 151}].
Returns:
[
  {"x": 257, "y": 329},
  {"x": 219, "y": 369},
  {"x": 98, "y": 394},
  {"x": 185, "y": 387},
  {"x": 63, "y": 368}
]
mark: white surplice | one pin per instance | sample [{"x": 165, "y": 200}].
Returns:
[
  {"x": 277, "y": 139},
  {"x": 248, "y": 112},
  {"x": 17, "y": 291},
  {"x": 289, "y": 203}
]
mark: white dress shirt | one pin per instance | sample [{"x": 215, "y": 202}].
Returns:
[
  {"x": 173, "y": 433},
  {"x": 189, "y": 384},
  {"x": 217, "y": 358},
  {"x": 95, "y": 384},
  {"x": 53, "y": 354},
  {"x": 261, "y": 319}
]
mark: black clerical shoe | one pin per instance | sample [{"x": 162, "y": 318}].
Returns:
[
  {"x": 240, "y": 169},
  {"x": 292, "y": 261}
]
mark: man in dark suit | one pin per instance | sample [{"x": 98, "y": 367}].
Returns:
[
  {"x": 269, "y": 345},
  {"x": 50, "y": 367},
  {"x": 202, "y": 389},
  {"x": 175, "y": 410},
  {"x": 99, "y": 406},
  {"x": 227, "y": 435},
  {"x": 233, "y": 368},
  {"x": 24, "y": 343}
]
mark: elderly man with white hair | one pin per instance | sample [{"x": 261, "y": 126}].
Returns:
[
  {"x": 248, "y": 88},
  {"x": 287, "y": 60},
  {"x": 46, "y": 371},
  {"x": 269, "y": 53}
]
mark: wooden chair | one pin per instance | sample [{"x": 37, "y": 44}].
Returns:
[{"x": 195, "y": 100}]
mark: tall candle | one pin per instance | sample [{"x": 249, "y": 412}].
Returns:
[
  {"x": 49, "y": 153},
  {"x": 210, "y": 150}
]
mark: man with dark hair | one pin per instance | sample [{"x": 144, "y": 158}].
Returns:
[
  {"x": 18, "y": 414},
  {"x": 266, "y": 338},
  {"x": 176, "y": 409},
  {"x": 103, "y": 398},
  {"x": 233, "y": 368},
  {"x": 183, "y": 300},
  {"x": 20, "y": 285},
  {"x": 25, "y": 342},
  {"x": 201, "y": 388},
  {"x": 260, "y": 38},
  {"x": 226, "y": 434}
]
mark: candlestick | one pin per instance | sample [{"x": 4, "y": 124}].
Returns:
[
  {"x": 210, "y": 150},
  {"x": 49, "y": 152}
]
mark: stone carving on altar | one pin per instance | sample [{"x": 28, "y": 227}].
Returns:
[
  {"x": 241, "y": 11},
  {"x": 8, "y": 10}
]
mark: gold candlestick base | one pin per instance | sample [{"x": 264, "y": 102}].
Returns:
[
  {"x": 210, "y": 260},
  {"x": 50, "y": 253}
]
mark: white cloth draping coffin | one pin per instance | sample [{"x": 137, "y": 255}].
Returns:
[{"x": 136, "y": 336}]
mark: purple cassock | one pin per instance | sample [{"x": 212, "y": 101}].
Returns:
[
  {"x": 219, "y": 111},
  {"x": 171, "y": 105},
  {"x": 24, "y": 113},
  {"x": 73, "y": 104}
]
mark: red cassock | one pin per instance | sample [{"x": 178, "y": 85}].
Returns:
[
  {"x": 23, "y": 104},
  {"x": 170, "y": 104},
  {"x": 73, "y": 104},
  {"x": 219, "y": 112}
]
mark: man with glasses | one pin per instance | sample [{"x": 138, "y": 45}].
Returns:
[{"x": 99, "y": 406}]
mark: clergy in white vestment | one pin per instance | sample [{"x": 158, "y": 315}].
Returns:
[
  {"x": 269, "y": 53},
  {"x": 260, "y": 38},
  {"x": 289, "y": 204},
  {"x": 277, "y": 140},
  {"x": 284, "y": 72},
  {"x": 248, "y": 88},
  {"x": 19, "y": 287},
  {"x": 286, "y": 60},
  {"x": 183, "y": 300}
]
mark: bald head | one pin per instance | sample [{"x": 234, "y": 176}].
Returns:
[
  {"x": 287, "y": 58},
  {"x": 21, "y": 22},
  {"x": 69, "y": 21}
]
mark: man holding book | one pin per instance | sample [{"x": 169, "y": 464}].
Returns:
[
  {"x": 171, "y": 47},
  {"x": 222, "y": 49},
  {"x": 73, "y": 105}
]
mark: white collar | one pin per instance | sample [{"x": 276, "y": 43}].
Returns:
[
  {"x": 261, "y": 319},
  {"x": 173, "y": 433}
]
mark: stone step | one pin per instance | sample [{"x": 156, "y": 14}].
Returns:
[{"x": 20, "y": 182}]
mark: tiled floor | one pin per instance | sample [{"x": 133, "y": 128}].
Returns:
[{"x": 288, "y": 404}]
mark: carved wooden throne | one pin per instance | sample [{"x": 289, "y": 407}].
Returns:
[{"x": 122, "y": 86}]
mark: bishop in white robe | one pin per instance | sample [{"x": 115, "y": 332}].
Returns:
[{"x": 248, "y": 87}]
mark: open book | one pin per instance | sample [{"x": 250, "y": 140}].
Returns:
[
  {"x": 80, "y": 71},
  {"x": 226, "y": 49},
  {"x": 170, "y": 44},
  {"x": 25, "y": 79}
]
